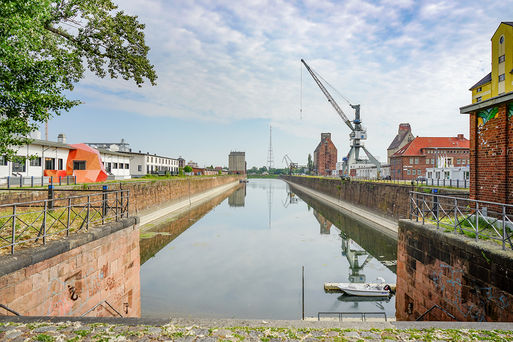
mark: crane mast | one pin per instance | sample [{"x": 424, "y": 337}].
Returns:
[{"x": 357, "y": 134}]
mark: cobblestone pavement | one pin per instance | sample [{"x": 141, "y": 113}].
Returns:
[{"x": 77, "y": 331}]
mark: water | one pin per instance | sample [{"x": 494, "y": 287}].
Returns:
[{"x": 241, "y": 257}]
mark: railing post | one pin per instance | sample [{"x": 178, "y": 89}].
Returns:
[
  {"x": 21, "y": 181},
  {"x": 455, "y": 214},
  {"x": 32, "y": 181},
  {"x": 127, "y": 203},
  {"x": 75, "y": 179},
  {"x": 417, "y": 208},
  {"x": 42, "y": 180},
  {"x": 458, "y": 183},
  {"x": 8, "y": 182},
  {"x": 60, "y": 180},
  {"x": 69, "y": 213},
  {"x": 13, "y": 233},
  {"x": 67, "y": 180},
  {"x": 116, "y": 205},
  {"x": 503, "y": 227},
  {"x": 477, "y": 221},
  {"x": 50, "y": 196},
  {"x": 105, "y": 188},
  {"x": 87, "y": 212},
  {"x": 44, "y": 222}
]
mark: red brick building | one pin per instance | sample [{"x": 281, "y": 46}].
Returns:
[
  {"x": 491, "y": 149},
  {"x": 411, "y": 161},
  {"x": 325, "y": 156}
]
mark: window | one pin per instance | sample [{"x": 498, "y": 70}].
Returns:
[
  {"x": 458, "y": 161},
  {"x": 438, "y": 175},
  {"x": 446, "y": 175},
  {"x": 115, "y": 166},
  {"x": 49, "y": 163},
  {"x": 411, "y": 160},
  {"x": 61, "y": 164},
  {"x": 430, "y": 174},
  {"x": 109, "y": 167},
  {"x": 501, "y": 77},
  {"x": 478, "y": 99},
  {"x": 501, "y": 40},
  {"x": 419, "y": 172},
  {"x": 3, "y": 161},
  {"x": 408, "y": 172},
  {"x": 147, "y": 159},
  {"x": 79, "y": 165},
  {"x": 416, "y": 160},
  {"x": 413, "y": 172},
  {"x": 18, "y": 164},
  {"x": 479, "y": 89},
  {"x": 127, "y": 166},
  {"x": 501, "y": 59},
  {"x": 139, "y": 168},
  {"x": 35, "y": 161}
]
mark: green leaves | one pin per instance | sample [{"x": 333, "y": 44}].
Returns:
[{"x": 45, "y": 47}]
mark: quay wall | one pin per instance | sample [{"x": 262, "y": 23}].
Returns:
[
  {"x": 472, "y": 280},
  {"x": 387, "y": 199},
  {"x": 143, "y": 194},
  {"x": 71, "y": 276}
]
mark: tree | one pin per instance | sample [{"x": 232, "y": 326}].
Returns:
[
  {"x": 46, "y": 47},
  {"x": 187, "y": 168},
  {"x": 310, "y": 164}
]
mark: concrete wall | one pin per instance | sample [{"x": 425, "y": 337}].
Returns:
[
  {"x": 471, "y": 280},
  {"x": 70, "y": 276},
  {"x": 387, "y": 199}
]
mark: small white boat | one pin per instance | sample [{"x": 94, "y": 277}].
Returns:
[{"x": 378, "y": 289}]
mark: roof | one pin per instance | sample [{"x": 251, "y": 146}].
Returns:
[
  {"x": 146, "y": 154},
  {"x": 51, "y": 143},
  {"x": 414, "y": 147},
  {"x": 104, "y": 151},
  {"x": 510, "y": 23},
  {"x": 484, "y": 80},
  {"x": 398, "y": 139}
]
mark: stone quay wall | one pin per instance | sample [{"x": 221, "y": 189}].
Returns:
[
  {"x": 388, "y": 199},
  {"x": 143, "y": 194},
  {"x": 472, "y": 280},
  {"x": 70, "y": 276}
]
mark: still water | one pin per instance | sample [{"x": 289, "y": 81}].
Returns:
[{"x": 240, "y": 256}]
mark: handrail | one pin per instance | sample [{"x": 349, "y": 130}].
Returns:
[
  {"x": 9, "y": 309},
  {"x": 58, "y": 199},
  {"x": 461, "y": 198},
  {"x": 341, "y": 313},
  {"x": 436, "y": 306},
  {"x": 97, "y": 305}
]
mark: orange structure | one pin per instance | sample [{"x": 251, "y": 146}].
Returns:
[{"x": 85, "y": 163}]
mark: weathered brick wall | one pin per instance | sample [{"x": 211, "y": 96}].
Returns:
[
  {"x": 143, "y": 194},
  {"x": 390, "y": 200},
  {"x": 70, "y": 283},
  {"x": 471, "y": 280},
  {"x": 491, "y": 153}
]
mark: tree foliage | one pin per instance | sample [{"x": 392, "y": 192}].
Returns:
[
  {"x": 46, "y": 46},
  {"x": 187, "y": 168}
]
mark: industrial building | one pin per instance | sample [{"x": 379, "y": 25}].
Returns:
[
  {"x": 411, "y": 161},
  {"x": 403, "y": 137},
  {"x": 325, "y": 156},
  {"x": 146, "y": 163},
  {"x": 491, "y": 124},
  {"x": 237, "y": 162}
]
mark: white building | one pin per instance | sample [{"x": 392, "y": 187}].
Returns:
[
  {"x": 370, "y": 171},
  {"x": 116, "y": 164},
  {"x": 448, "y": 176},
  {"x": 145, "y": 163},
  {"x": 46, "y": 155}
]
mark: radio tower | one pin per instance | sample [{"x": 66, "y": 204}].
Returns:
[{"x": 270, "y": 161}]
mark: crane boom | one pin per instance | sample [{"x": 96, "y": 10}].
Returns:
[{"x": 329, "y": 97}]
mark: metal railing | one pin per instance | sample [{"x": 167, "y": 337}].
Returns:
[
  {"x": 436, "y": 306},
  {"x": 6, "y": 308},
  {"x": 441, "y": 182},
  {"x": 477, "y": 219},
  {"x": 34, "y": 223},
  {"x": 11, "y": 182},
  {"x": 363, "y": 315},
  {"x": 101, "y": 303}
]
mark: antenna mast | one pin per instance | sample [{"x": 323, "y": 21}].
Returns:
[{"x": 270, "y": 160}]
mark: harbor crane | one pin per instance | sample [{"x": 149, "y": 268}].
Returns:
[
  {"x": 358, "y": 133},
  {"x": 290, "y": 164}
]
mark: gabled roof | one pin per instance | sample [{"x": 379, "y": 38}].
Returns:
[
  {"x": 398, "y": 139},
  {"x": 414, "y": 147},
  {"x": 484, "y": 80}
]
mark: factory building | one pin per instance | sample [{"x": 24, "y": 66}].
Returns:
[
  {"x": 325, "y": 156},
  {"x": 237, "y": 162}
]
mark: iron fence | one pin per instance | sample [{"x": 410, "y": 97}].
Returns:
[
  {"x": 36, "y": 222},
  {"x": 476, "y": 219},
  {"x": 452, "y": 183},
  {"x": 11, "y": 182}
]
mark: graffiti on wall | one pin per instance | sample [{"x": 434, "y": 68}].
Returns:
[
  {"x": 451, "y": 287},
  {"x": 486, "y": 115},
  {"x": 510, "y": 109}
]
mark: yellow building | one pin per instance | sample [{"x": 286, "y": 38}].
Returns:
[{"x": 500, "y": 80}]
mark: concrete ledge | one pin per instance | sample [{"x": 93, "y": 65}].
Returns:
[{"x": 30, "y": 256}]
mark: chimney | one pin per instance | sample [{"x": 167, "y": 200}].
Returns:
[
  {"x": 461, "y": 137},
  {"x": 61, "y": 138},
  {"x": 404, "y": 127}
]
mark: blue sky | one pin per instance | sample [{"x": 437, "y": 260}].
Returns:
[{"x": 229, "y": 69}]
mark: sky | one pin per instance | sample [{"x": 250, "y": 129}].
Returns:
[{"x": 228, "y": 70}]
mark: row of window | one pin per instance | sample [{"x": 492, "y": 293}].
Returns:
[
  {"x": 448, "y": 151},
  {"x": 414, "y": 172},
  {"x": 20, "y": 165},
  {"x": 161, "y": 160},
  {"x": 115, "y": 166}
]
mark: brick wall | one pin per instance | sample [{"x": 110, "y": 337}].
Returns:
[
  {"x": 325, "y": 155},
  {"x": 72, "y": 282},
  {"x": 387, "y": 199},
  {"x": 491, "y": 153},
  {"x": 472, "y": 281}
]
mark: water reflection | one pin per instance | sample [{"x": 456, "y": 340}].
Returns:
[
  {"x": 230, "y": 264},
  {"x": 238, "y": 198}
]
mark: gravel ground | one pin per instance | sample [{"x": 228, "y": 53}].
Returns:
[{"x": 80, "y": 331}]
